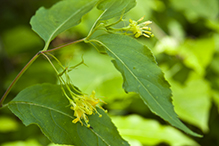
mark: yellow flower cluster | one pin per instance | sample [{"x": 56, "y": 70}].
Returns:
[
  {"x": 139, "y": 29},
  {"x": 81, "y": 103},
  {"x": 84, "y": 105}
]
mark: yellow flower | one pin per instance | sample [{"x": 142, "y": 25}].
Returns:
[
  {"x": 140, "y": 29},
  {"x": 91, "y": 102},
  {"x": 79, "y": 113},
  {"x": 84, "y": 105}
]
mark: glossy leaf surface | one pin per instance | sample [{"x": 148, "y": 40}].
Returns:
[
  {"x": 142, "y": 75},
  {"x": 45, "y": 106}
]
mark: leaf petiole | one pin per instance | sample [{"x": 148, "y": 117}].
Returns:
[{"x": 94, "y": 27}]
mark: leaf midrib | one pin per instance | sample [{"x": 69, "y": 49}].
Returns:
[
  {"x": 39, "y": 105},
  {"x": 49, "y": 39},
  {"x": 135, "y": 78}
]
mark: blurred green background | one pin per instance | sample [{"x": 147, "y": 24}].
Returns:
[{"x": 186, "y": 47}]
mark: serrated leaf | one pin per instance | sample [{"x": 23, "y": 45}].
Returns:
[
  {"x": 142, "y": 75},
  {"x": 48, "y": 23},
  {"x": 45, "y": 106},
  {"x": 115, "y": 8}
]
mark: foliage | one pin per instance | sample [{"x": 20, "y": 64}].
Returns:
[
  {"x": 186, "y": 50},
  {"x": 54, "y": 119}
]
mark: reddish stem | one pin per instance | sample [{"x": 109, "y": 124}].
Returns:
[
  {"x": 17, "y": 77},
  {"x": 27, "y": 66}
]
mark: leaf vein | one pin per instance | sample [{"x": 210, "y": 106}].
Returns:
[
  {"x": 135, "y": 77},
  {"x": 34, "y": 104},
  {"x": 64, "y": 22}
]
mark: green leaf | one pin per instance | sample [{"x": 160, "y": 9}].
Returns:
[
  {"x": 194, "y": 9},
  {"x": 8, "y": 124},
  {"x": 150, "y": 132},
  {"x": 60, "y": 17},
  {"x": 142, "y": 75},
  {"x": 96, "y": 76},
  {"x": 29, "y": 142},
  {"x": 197, "y": 54},
  {"x": 115, "y": 8},
  {"x": 193, "y": 100},
  {"x": 45, "y": 106},
  {"x": 215, "y": 95}
]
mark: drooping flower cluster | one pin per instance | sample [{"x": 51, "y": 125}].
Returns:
[{"x": 84, "y": 105}]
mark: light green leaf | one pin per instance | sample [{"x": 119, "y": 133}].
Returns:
[
  {"x": 45, "y": 106},
  {"x": 150, "y": 132},
  {"x": 142, "y": 75},
  {"x": 7, "y": 124},
  {"x": 215, "y": 95},
  {"x": 196, "y": 54},
  {"x": 29, "y": 142},
  {"x": 194, "y": 9},
  {"x": 60, "y": 17},
  {"x": 96, "y": 76},
  {"x": 145, "y": 8},
  {"x": 115, "y": 8},
  {"x": 192, "y": 102}
]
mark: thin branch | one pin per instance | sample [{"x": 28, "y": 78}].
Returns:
[
  {"x": 28, "y": 65},
  {"x": 50, "y": 63},
  {"x": 54, "y": 49},
  {"x": 17, "y": 77}
]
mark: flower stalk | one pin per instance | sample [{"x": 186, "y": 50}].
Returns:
[{"x": 82, "y": 104}]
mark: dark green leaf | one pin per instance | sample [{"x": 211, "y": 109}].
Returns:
[
  {"x": 45, "y": 106},
  {"x": 115, "y": 8},
  {"x": 60, "y": 17},
  {"x": 142, "y": 75}
]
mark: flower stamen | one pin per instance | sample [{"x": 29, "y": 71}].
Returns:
[
  {"x": 84, "y": 105},
  {"x": 139, "y": 29}
]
